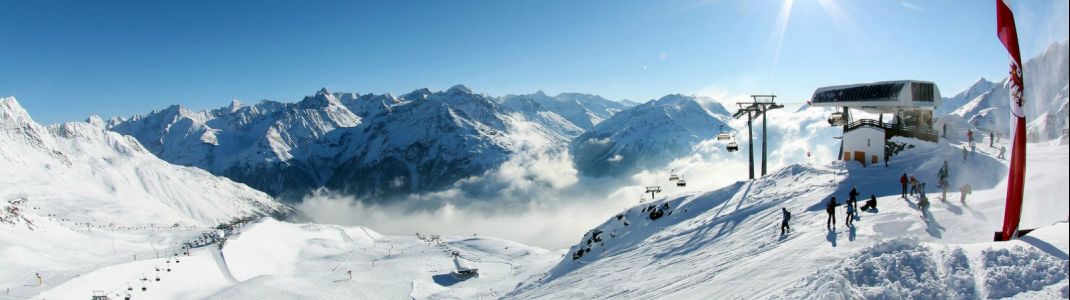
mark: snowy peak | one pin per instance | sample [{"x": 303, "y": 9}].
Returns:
[
  {"x": 96, "y": 122},
  {"x": 322, "y": 99},
  {"x": 12, "y": 113},
  {"x": 978, "y": 89},
  {"x": 234, "y": 106},
  {"x": 419, "y": 94},
  {"x": 459, "y": 89},
  {"x": 1046, "y": 77},
  {"x": 647, "y": 136}
]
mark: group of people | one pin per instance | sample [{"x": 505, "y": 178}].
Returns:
[
  {"x": 830, "y": 207},
  {"x": 912, "y": 186}
]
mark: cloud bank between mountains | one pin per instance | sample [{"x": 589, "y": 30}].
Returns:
[{"x": 540, "y": 199}]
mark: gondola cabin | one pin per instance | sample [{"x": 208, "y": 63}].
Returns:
[{"x": 100, "y": 295}]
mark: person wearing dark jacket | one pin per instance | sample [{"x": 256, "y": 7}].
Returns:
[
  {"x": 852, "y": 198},
  {"x": 871, "y": 204},
  {"x": 784, "y": 224},
  {"x": 904, "y": 181},
  {"x": 830, "y": 208}
]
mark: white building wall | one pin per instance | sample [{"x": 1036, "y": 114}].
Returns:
[{"x": 868, "y": 140}]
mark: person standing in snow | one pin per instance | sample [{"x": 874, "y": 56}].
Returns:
[
  {"x": 947, "y": 186},
  {"x": 852, "y": 197},
  {"x": 965, "y": 153},
  {"x": 969, "y": 136},
  {"x": 992, "y": 139},
  {"x": 921, "y": 189},
  {"x": 830, "y": 208},
  {"x": 965, "y": 190},
  {"x": 913, "y": 185},
  {"x": 923, "y": 206},
  {"x": 903, "y": 180},
  {"x": 850, "y": 214},
  {"x": 784, "y": 227},
  {"x": 1003, "y": 153},
  {"x": 945, "y": 131}
]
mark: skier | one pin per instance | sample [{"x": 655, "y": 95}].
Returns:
[
  {"x": 965, "y": 190},
  {"x": 903, "y": 180},
  {"x": 852, "y": 199},
  {"x": 945, "y": 131},
  {"x": 947, "y": 186},
  {"x": 830, "y": 208},
  {"x": 969, "y": 136},
  {"x": 871, "y": 204},
  {"x": 965, "y": 153},
  {"x": 850, "y": 214},
  {"x": 992, "y": 139},
  {"x": 40, "y": 281},
  {"x": 921, "y": 188},
  {"x": 784, "y": 227},
  {"x": 923, "y": 205},
  {"x": 913, "y": 185},
  {"x": 1003, "y": 153}
]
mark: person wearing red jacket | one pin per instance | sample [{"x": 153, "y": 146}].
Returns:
[{"x": 904, "y": 180}]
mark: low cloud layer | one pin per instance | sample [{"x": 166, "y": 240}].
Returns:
[{"x": 540, "y": 199}]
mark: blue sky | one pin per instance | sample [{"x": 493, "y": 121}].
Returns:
[{"x": 66, "y": 60}]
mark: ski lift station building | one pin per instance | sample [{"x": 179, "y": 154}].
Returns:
[{"x": 908, "y": 106}]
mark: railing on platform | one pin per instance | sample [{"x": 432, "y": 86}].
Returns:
[{"x": 896, "y": 130}]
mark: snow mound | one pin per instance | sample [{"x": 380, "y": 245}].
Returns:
[{"x": 908, "y": 269}]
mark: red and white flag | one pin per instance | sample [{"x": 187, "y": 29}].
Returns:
[{"x": 1008, "y": 34}]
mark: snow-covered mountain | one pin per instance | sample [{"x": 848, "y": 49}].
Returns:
[
  {"x": 83, "y": 171},
  {"x": 954, "y": 103},
  {"x": 364, "y": 145},
  {"x": 648, "y": 136},
  {"x": 583, "y": 111},
  {"x": 264, "y": 145},
  {"x": 1047, "y": 80}
]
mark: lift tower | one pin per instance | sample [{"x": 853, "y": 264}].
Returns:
[{"x": 759, "y": 108}]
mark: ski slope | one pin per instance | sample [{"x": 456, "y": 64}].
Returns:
[
  {"x": 723, "y": 244},
  {"x": 727, "y": 243}
]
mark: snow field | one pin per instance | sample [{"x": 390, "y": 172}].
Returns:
[
  {"x": 727, "y": 242},
  {"x": 293, "y": 261}
]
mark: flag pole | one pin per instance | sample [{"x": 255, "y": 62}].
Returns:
[{"x": 1008, "y": 34}]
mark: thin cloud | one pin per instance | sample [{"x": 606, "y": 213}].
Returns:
[{"x": 912, "y": 6}]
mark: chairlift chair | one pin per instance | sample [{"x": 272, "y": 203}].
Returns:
[
  {"x": 673, "y": 176},
  {"x": 723, "y": 136},
  {"x": 838, "y": 119},
  {"x": 681, "y": 183},
  {"x": 732, "y": 147}
]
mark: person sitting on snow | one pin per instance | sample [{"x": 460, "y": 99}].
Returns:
[{"x": 871, "y": 204}]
